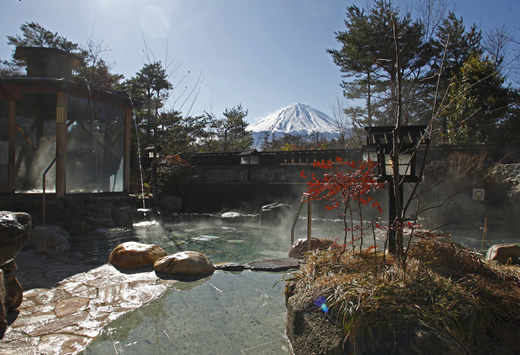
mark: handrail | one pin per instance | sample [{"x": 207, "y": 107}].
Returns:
[
  {"x": 44, "y": 175},
  {"x": 309, "y": 217}
]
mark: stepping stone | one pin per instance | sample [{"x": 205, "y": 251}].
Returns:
[
  {"x": 229, "y": 267},
  {"x": 274, "y": 265}
]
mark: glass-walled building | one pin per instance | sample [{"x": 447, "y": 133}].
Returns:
[{"x": 76, "y": 135}]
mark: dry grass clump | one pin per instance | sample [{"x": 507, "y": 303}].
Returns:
[{"x": 444, "y": 284}]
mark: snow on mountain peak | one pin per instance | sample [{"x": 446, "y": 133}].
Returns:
[{"x": 298, "y": 119}]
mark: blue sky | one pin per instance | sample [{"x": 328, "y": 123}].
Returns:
[{"x": 263, "y": 54}]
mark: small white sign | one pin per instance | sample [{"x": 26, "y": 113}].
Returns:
[
  {"x": 479, "y": 194},
  {"x": 4, "y": 152}
]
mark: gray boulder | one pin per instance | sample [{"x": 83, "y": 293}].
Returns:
[
  {"x": 52, "y": 240},
  {"x": 237, "y": 217},
  {"x": 504, "y": 253},
  {"x": 170, "y": 203},
  {"x": 300, "y": 247},
  {"x": 123, "y": 216},
  {"x": 274, "y": 213},
  {"x": 15, "y": 229}
]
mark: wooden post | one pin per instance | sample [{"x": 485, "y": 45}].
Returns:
[
  {"x": 126, "y": 155},
  {"x": 61, "y": 144},
  {"x": 12, "y": 138},
  {"x": 309, "y": 224}
]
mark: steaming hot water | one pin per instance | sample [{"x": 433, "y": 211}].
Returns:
[
  {"x": 219, "y": 242},
  {"x": 228, "y": 312}
]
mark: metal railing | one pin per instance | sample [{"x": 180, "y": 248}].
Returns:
[
  {"x": 44, "y": 175},
  {"x": 309, "y": 220}
]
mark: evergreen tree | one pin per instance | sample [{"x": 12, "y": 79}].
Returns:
[
  {"x": 151, "y": 86},
  {"x": 367, "y": 57},
  {"x": 479, "y": 104},
  {"x": 94, "y": 68},
  {"x": 35, "y": 35},
  {"x": 229, "y": 133},
  {"x": 451, "y": 48},
  {"x": 235, "y": 137}
]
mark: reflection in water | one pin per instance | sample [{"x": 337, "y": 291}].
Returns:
[
  {"x": 220, "y": 243},
  {"x": 226, "y": 313}
]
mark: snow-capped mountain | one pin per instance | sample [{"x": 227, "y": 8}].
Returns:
[{"x": 298, "y": 119}]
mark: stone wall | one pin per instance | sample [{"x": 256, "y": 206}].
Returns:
[
  {"x": 76, "y": 213},
  {"x": 509, "y": 173}
]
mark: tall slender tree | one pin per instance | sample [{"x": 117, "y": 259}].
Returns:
[{"x": 367, "y": 60}]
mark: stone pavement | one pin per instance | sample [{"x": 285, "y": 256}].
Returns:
[
  {"x": 67, "y": 303},
  {"x": 66, "y": 318}
]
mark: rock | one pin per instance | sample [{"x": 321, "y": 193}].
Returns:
[
  {"x": 14, "y": 291},
  {"x": 132, "y": 255},
  {"x": 185, "y": 263},
  {"x": 236, "y": 217},
  {"x": 3, "y": 306},
  {"x": 299, "y": 248},
  {"x": 14, "y": 232},
  {"x": 306, "y": 324},
  {"x": 53, "y": 245},
  {"x": 123, "y": 216},
  {"x": 11, "y": 293},
  {"x": 503, "y": 252},
  {"x": 274, "y": 265},
  {"x": 170, "y": 203},
  {"x": 48, "y": 233},
  {"x": 229, "y": 266},
  {"x": 274, "y": 213}
]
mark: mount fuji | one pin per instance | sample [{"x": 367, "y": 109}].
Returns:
[{"x": 297, "y": 120}]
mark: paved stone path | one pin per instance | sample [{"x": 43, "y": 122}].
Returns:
[
  {"x": 67, "y": 302},
  {"x": 66, "y": 318}
]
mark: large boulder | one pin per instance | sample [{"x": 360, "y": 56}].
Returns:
[
  {"x": 3, "y": 306},
  {"x": 133, "y": 255},
  {"x": 300, "y": 247},
  {"x": 504, "y": 253},
  {"x": 123, "y": 216},
  {"x": 15, "y": 229},
  {"x": 170, "y": 203},
  {"x": 274, "y": 213},
  {"x": 14, "y": 291},
  {"x": 237, "y": 217},
  {"x": 52, "y": 240},
  {"x": 45, "y": 232},
  {"x": 185, "y": 263}
]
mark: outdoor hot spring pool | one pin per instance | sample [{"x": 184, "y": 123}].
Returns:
[
  {"x": 225, "y": 313},
  {"x": 219, "y": 242}
]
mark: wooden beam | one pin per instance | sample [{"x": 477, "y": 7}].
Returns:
[
  {"x": 12, "y": 137},
  {"x": 61, "y": 144},
  {"x": 126, "y": 155}
]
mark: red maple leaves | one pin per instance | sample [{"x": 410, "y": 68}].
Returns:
[{"x": 344, "y": 182}]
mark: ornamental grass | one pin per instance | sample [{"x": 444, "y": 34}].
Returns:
[{"x": 443, "y": 284}]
